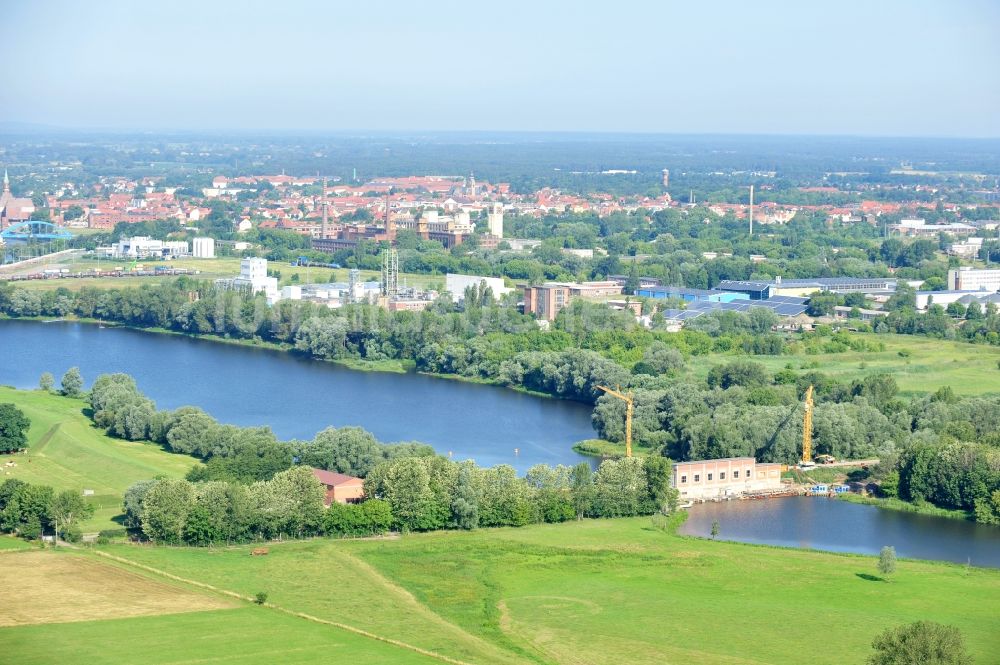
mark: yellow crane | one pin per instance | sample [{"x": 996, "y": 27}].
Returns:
[
  {"x": 627, "y": 398},
  {"x": 807, "y": 429}
]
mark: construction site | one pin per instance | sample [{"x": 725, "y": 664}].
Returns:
[{"x": 745, "y": 478}]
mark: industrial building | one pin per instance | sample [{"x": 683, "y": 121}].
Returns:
[
  {"x": 842, "y": 312},
  {"x": 203, "y": 248},
  {"x": 335, "y": 294},
  {"x": 761, "y": 290},
  {"x": 143, "y": 247},
  {"x": 925, "y": 299},
  {"x": 804, "y": 287},
  {"x": 785, "y": 306},
  {"x": 594, "y": 289},
  {"x": 753, "y": 290},
  {"x": 687, "y": 295},
  {"x": 920, "y": 228},
  {"x": 253, "y": 278},
  {"x": 971, "y": 279},
  {"x": 644, "y": 282},
  {"x": 457, "y": 284},
  {"x": 721, "y": 478},
  {"x": 547, "y": 300}
]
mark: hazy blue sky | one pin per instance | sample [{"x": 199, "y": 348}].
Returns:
[{"x": 884, "y": 67}]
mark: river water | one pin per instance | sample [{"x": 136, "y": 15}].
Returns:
[
  {"x": 838, "y": 526},
  {"x": 298, "y": 396}
]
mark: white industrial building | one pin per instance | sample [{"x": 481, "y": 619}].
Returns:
[
  {"x": 971, "y": 279},
  {"x": 944, "y": 298},
  {"x": 920, "y": 228},
  {"x": 457, "y": 284},
  {"x": 203, "y": 248},
  {"x": 925, "y": 299},
  {"x": 253, "y": 277},
  {"x": 144, "y": 247}
]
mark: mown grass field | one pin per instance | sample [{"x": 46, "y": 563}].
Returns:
[
  {"x": 66, "y": 451},
  {"x": 68, "y": 607},
  {"x": 919, "y": 364},
  {"x": 247, "y": 636},
  {"x": 603, "y": 591}
]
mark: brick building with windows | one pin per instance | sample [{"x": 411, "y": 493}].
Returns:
[{"x": 729, "y": 477}]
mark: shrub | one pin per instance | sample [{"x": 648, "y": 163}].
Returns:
[
  {"x": 920, "y": 643},
  {"x": 112, "y": 533}
]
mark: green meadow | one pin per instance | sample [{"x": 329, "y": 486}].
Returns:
[
  {"x": 248, "y": 636},
  {"x": 919, "y": 364},
  {"x": 601, "y": 591},
  {"x": 66, "y": 451}
]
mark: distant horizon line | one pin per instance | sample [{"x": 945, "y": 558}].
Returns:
[{"x": 30, "y": 128}]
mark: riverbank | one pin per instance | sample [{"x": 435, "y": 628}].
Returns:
[
  {"x": 907, "y": 507},
  {"x": 605, "y": 449}
]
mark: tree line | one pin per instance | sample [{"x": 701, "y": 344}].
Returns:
[
  {"x": 404, "y": 494},
  {"x": 424, "y": 491}
]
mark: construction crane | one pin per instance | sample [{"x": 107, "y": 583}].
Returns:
[
  {"x": 627, "y": 398},
  {"x": 807, "y": 430}
]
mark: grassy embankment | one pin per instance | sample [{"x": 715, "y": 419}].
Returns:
[
  {"x": 66, "y": 451},
  {"x": 597, "y": 591}
]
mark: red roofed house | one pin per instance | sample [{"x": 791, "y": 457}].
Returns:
[{"x": 340, "y": 487}]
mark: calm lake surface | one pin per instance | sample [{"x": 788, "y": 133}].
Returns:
[
  {"x": 838, "y": 526},
  {"x": 297, "y": 396}
]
